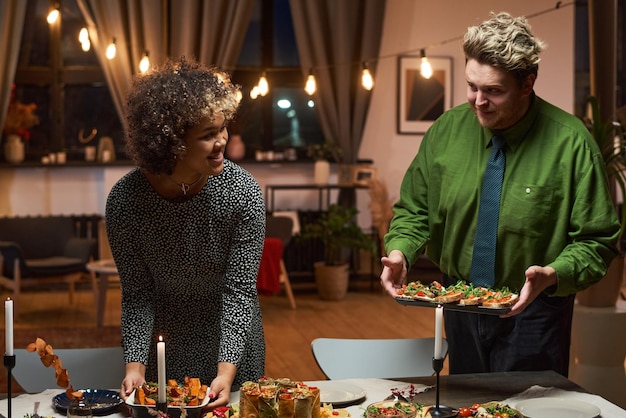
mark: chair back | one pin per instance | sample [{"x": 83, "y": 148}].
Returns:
[
  {"x": 88, "y": 368},
  {"x": 341, "y": 358},
  {"x": 279, "y": 227}
]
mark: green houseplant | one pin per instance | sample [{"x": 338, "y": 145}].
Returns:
[
  {"x": 611, "y": 139},
  {"x": 337, "y": 230}
]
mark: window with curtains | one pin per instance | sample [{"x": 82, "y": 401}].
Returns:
[
  {"x": 67, "y": 85},
  {"x": 76, "y": 110},
  {"x": 285, "y": 118}
]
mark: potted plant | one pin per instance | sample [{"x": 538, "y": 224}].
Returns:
[
  {"x": 611, "y": 139},
  {"x": 337, "y": 230},
  {"x": 321, "y": 154}
]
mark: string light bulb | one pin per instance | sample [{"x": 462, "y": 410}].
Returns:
[
  {"x": 367, "y": 81},
  {"x": 53, "y": 16},
  {"x": 83, "y": 38},
  {"x": 263, "y": 85},
  {"x": 144, "y": 64},
  {"x": 426, "y": 70},
  {"x": 311, "y": 85},
  {"x": 111, "y": 50},
  {"x": 83, "y": 35},
  {"x": 254, "y": 92}
]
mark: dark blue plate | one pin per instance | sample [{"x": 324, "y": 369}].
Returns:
[{"x": 102, "y": 401}]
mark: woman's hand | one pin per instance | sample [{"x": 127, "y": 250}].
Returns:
[
  {"x": 135, "y": 377},
  {"x": 394, "y": 272},
  {"x": 219, "y": 392}
]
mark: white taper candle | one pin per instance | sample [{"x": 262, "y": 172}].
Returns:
[
  {"x": 8, "y": 326},
  {"x": 438, "y": 332},
  {"x": 161, "y": 369}
]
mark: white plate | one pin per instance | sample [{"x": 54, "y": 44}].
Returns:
[
  {"x": 557, "y": 408},
  {"x": 339, "y": 393}
]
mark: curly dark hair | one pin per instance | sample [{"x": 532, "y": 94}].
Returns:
[{"x": 164, "y": 103}]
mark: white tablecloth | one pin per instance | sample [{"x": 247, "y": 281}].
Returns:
[
  {"x": 608, "y": 409},
  {"x": 377, "y": 390},
  {"x": 23, "y": 404}
]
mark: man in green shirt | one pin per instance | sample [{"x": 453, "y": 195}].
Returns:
[{"x": 557, "y": 227}]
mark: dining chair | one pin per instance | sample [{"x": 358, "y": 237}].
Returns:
[
  {"x": 88, "y": 368},
  {"x": 344, "y": 358},
  {"x": 282, "y": 227}
]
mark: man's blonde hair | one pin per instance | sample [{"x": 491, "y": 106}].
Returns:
[{"x": 505, "y": 42}]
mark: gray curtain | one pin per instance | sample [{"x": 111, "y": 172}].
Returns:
[
  {"x": 210, "y": 30},
  {"x": 334, "y": 39},
  {"x": 12, "y": 13}
]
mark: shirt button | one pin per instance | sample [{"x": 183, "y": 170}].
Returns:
[{"x": 527, "y": 190}]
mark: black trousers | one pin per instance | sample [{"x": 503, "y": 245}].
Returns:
[{"x": 537, "y": 339}]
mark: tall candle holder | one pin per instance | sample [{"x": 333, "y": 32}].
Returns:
[
  {"x": 438, "y": 410},
  {"x": 162, "y": 407},
  {"x": 9, "y": 363}
]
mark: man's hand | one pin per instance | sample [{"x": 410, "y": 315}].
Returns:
[
  {"x": 537, "y": 280},
  {"x": 394, "y": 272}
]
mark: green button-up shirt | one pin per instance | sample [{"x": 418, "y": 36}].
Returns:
[{"x": 555, "y": 207}]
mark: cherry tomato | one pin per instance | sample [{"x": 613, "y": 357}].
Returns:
[
  {"x": 475, "y": 406},
  {"x": 465, "y": 412}
]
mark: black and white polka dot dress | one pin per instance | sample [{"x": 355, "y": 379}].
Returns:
[{"x": 188, "y": 273}]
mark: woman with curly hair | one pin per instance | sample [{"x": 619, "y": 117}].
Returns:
[{"x": 186, "y": 229}]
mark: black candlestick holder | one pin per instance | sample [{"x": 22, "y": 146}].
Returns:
[
  {"x": 9, "y": 363},
  {"x": 439, "y": 411},
  {"x": 162, "y": 407}
]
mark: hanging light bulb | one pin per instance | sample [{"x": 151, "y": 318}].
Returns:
[
  {"x": 53, "y": 16},
  {"x": 311, "y": 85},
  {"x": 264, "y": 87},
  {"x": 83, "y": 38},
  {"x": 83, "y": 35},
  {"x": 111, "y": 50},
  {"x": 367, "y": 81},
  {"x": 425, "y": 69},
  {"x": 144, "y": 64},
  {"x": 254, "y": 92}
]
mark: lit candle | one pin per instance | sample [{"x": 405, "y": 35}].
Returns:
[
  {"x": 438, "y": 331},
  {"x": 161, "y": 369},
  {"x": 8, "y": 326}
]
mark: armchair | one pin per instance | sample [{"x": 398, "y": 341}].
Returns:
[{"x": 38, "y": 251}]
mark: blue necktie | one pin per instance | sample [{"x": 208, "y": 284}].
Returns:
[{"x": 484, "y": 257}]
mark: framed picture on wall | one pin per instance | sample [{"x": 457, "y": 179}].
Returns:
[
  {"x": 362, "y": 175},
  {"x": 422, "y": 100}
]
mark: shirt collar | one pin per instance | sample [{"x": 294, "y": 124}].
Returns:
[{"x": 516, "y": 133}]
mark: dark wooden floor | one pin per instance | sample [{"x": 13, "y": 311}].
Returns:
[{"x": 365, "y": 313}]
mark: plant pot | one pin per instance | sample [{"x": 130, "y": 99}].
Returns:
[
  {"x": 332, "y": 281},
  {"x": 321, "y": 172},
  {"x": 606, "y": 292}
]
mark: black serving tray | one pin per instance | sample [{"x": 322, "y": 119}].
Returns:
[{"x": 453, "y": 306}]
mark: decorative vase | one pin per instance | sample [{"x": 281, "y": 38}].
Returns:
[
  {"x": 236, "y": 148},
  {"x": 332, "y": 281},
  {"x": 14, "y": 149},
  {"x": 321, "y": 172}
]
